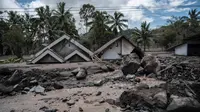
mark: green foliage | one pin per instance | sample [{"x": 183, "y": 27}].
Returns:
[
  {"x": 14, "y": 39},
  {"x": 117, "y": 23},
  {"x": 143, "y": 35},
  {"x": 11, "y": 60}
]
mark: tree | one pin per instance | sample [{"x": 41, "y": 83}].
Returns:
[
  {"x": 14, "y": 39},
  {"x": 144, "y": 34},
  {"x": 193, "y": 18},
  {"x": 117, "y": 23},
  {"x": 65, "y": 21},
  {"x": 98, "y": 28},
  {"x": 86, "y": 12}
]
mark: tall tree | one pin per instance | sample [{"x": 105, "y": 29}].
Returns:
[
  {"x": 143, "y": 34},
  {"x": 86, "y": 12},
  {"x": 117, "y": 22},
  {"x": 193, "y": 18},
  {"x": 99, "y": 28},
  {"x": 65, "y": 20}
]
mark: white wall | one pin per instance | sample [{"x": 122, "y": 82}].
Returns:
[
  {"x": 127, "y": 47},
  {"x": 181, "y": 50},
  {"x": 113, "y": 51}
]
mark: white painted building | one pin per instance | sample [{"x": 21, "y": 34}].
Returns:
[
  {"x": 115, "y": 49},
  {"x": 190, "y": 47}
]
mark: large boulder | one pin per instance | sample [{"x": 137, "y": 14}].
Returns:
[
  {"x": 130, "y": 68},
  {"x": 5, "y": 89},
  {"x": 16, "y": 77},
  {"x": 150, "y": 64},
  {"x": 182, "y": 102},
  {"x": 81, "y": 74}
]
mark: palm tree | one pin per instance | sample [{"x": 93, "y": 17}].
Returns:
[
  {"x": 143, "y": 35},
  {"x": 98, "y": 28},
  {"x": 117, "y": 23},
  {"x": 65, "y": 21},
  {"x": 193, "y": 18}
]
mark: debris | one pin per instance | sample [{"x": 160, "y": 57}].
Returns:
[
  {"x": 80, "y": 109},
  {"x": 98, "y": 93},
  {"x": 67, "y": 74},
  {"x": 16, "y": 77},
  {"x": 70, "y": 102},
  {"x": 181, "y": 102},
  {"x": 58, "y": 85},
  {"x": 81, "y": 74},
  {"x": 142, "y": 86},
  {"x": 75, "y": 71},
  {"x": 5, "y": 89},
  {"x": 98, "y": 83},
  {"x": 129, "y": 76},
  {"x": 37, "y": 89},
  {"x": 130, "y": 68}
]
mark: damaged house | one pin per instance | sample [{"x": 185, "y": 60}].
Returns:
[
  {"x": 115, "y": 49},
  {"x": 62, "y": 50},
  {"x": 189, "y": 47}
]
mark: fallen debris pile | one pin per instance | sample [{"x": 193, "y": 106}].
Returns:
[{"x": 187, "y": 70}]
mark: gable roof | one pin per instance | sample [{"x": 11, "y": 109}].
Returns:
[
  {"x": 195, "y": 37},
  {"x": 110, "y": 43},
  {"x": 51, "y": 53},
  {"x": 76, "y": 53},
  {"x": 59, "y": 40}
]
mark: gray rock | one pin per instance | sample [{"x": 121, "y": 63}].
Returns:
[
  {"x": 150, "y": 64},
  {"x": 37, "y": 89},
  {"x": 129, "y": 76},
  {"x": 51, "y": 110},
  {"x": 58, "y": 85},
  {"x": 15, "y": 78},
  {"x": 67, "y": 74},
  {"x": 5, "y": 89},
  {"x": 130, "y": 68},
  {"x": 75, "y": 71},
  {"x": 161, "y": 99},
  {"x": 81, "y": 74},
  {"x": 80, "y": 109},
  {"x": 26, "y": 89},
  {"x": 98, "y": 93},
  {"x": 141, "y": 86},
  {"x": 181, "y": 102},
  {"x": 34, "y": 82},
  {"x": 98, "y": 83},
  {"x": 70, "y": 102}
]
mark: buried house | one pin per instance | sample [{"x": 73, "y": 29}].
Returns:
[
  {"x": 116, "y": 48},
  {"x": 189, "y": 47},
  {"x": 62, "y": 50}
]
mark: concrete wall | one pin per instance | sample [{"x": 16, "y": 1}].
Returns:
[
  {"x": 181, "y": 50},
  {"x": 113, "y": 51},
  {"x": 65, "y": 48},
  {"x": 127, "y": 47}
]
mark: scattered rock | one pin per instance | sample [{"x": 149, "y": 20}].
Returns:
[
  {"x": 142, "y": 86},
  {"x": 67, "y": 74},
  {"x": 80, "y": 109},
  {"x": 26, "y": 89},
  {"x": 98, "y": 83},
  {"x": 51, "y": 110},
  {"x": 24, "y": 92},
  {"x": 37, "y": 89},
  {"x": 12, "y": 110},
  {"x": 5, "y": 89},
  {"x": 107, "y": 110},
  {"x": 34, "y": 82},
  {"x": 81, "y": 74},
  {"x": 150, "y": 64},
  {"x": 101, "y": 100},
  {"x": 161, "y": 100},
  {"x": 130, "y": 68},
  {"x": 137, "y": 80},
  {"x": 75, "y": 71},
  {"x": 181, "y": 102},
  {"x": 129, "y": 76},
  {"x": 98, "y": 93},
  {"x": 43, "y": 108},
  {"x": 15, "y": 78},
  {"x": 58, "y": 85},
  {"x": 70, "y": 102}
]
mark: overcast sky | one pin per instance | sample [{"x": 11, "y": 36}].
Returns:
[{"x": 136, "y": 11}]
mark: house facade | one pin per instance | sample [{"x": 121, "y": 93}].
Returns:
[
  {"x": 189, "y": 47},
  {"x": 62, "y": 50},
  {"x": 115, "y": 49}
]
